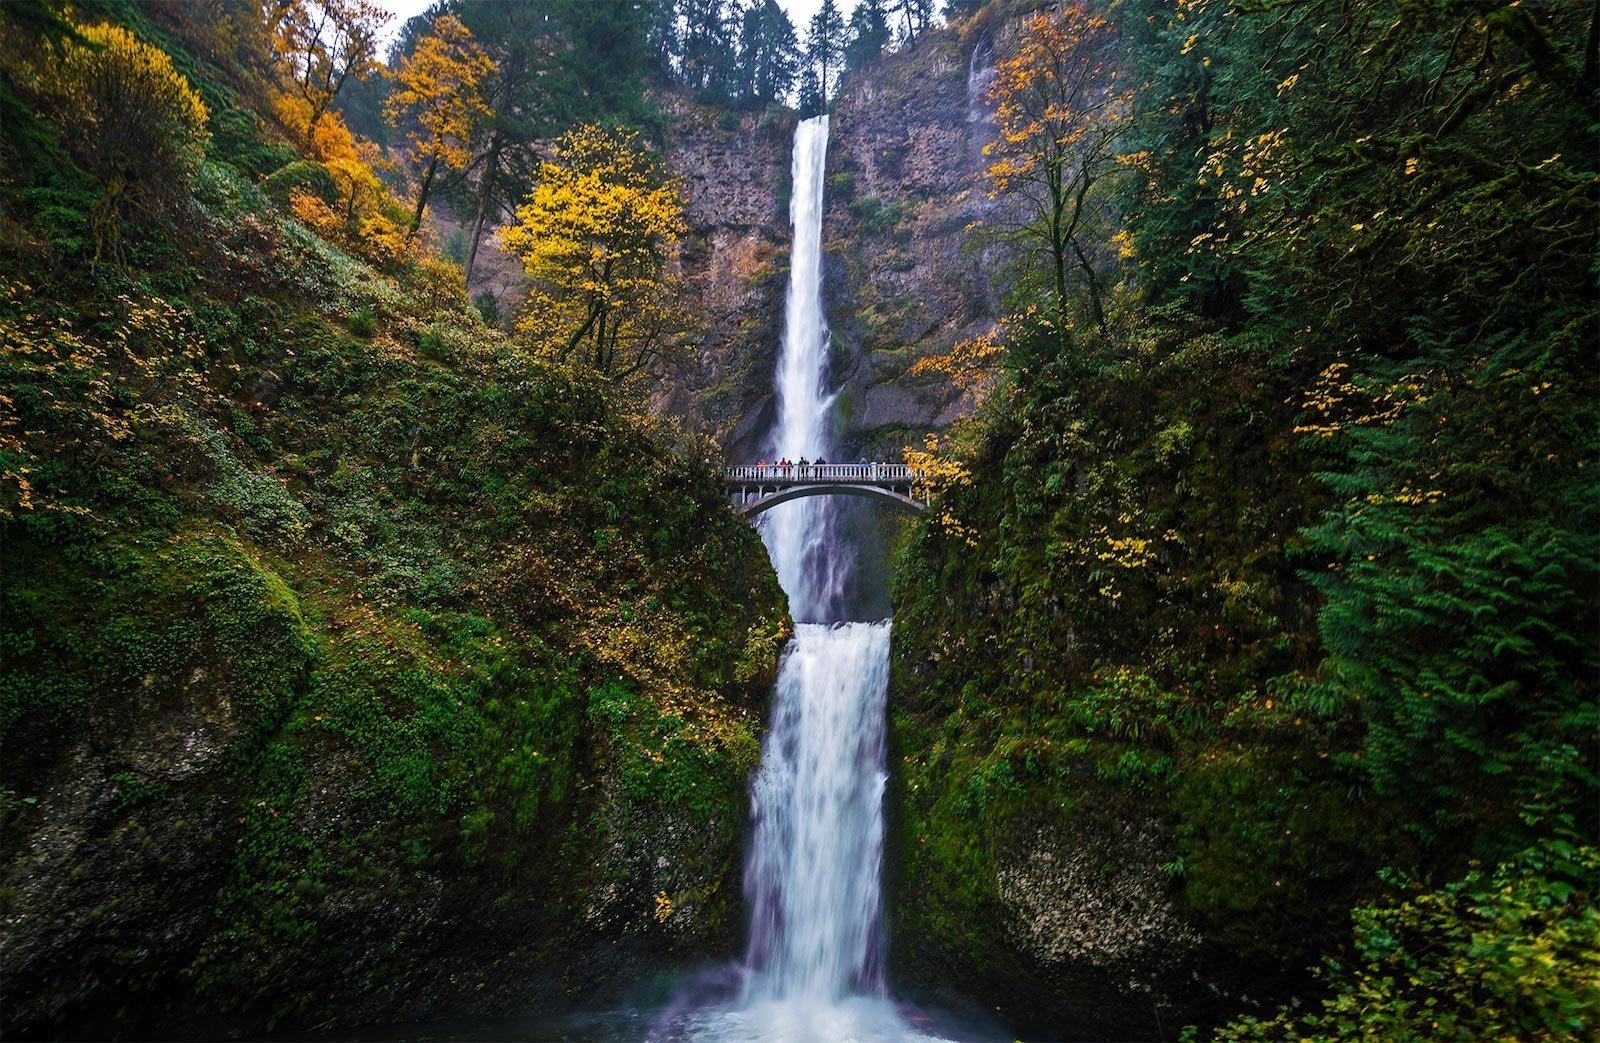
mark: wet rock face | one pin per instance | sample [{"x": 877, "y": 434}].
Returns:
[
  {"x": 734, "y": 172},
  {"x": 905, "y": 166},
  {"x": 1098, "y": 899},
  {"x": 1050, "y": 908},
  {"x": 195, "y": 847},
  {"x": 901, "y": 279}
]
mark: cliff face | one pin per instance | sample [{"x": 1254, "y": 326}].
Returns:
[
  {"x": 904, "y": 163},
  {"x": 734, "y": 169},
  {"x": 901, "y": 280}
]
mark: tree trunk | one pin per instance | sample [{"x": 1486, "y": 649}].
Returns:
[
  {"x": 1094, "y": 287},
  {"x": 1058, "y": 255},
  {"x": 485, "y": 193},
  {"x": 422, "y": 197}
]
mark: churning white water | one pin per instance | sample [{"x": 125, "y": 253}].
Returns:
[{"x": 812, "y": 877}]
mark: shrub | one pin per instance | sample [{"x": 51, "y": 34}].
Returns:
[
  {"x": 1507, "y": 953},
  {"x": 131, "y": 120},
  {"x": 363, "y": 323},
  {"x": 433, "y": 344},
  {"x": 301, "y": 177},
  {"x": 488, "y": 307}
]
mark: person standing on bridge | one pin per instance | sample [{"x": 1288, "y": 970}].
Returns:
[
  {"x": 761, "y": 468},
  {"x": 804, "y": 464}
]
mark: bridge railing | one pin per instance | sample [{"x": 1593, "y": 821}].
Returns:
[{"x": 858, "y": 472}]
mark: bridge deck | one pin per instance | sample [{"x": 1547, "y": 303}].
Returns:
[
  {"x": 794, "y": 474},
  {"x": 755, "y": 487}
]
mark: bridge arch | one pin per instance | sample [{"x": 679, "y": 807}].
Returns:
[{"x": 767, "y": 500}]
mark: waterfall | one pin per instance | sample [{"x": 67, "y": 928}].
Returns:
[
  {"x": 812, "y": 875},
  {"x": 801, "y": 536},
  {"x": 813, "y": 968},
  {"x": 980, "y": 77},
  {"x": 981, "y": 74}
]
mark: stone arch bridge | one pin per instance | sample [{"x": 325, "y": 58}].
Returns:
[{"x": 754, "y": 488}]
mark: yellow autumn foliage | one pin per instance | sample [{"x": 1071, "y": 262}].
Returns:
[
  {"x": 937, "y": 472},
  {"x": 328, "y": 140},
  {"x": 130, "y": 118},
  {"x": 442, "y": 86},
  {"x": 599, "y": 236}
]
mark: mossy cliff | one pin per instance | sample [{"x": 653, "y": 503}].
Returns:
[
  {"x": 905, "y": 278},
  {"x": 1105, "y": 818},
  {"x": 1250, "y": 627},
  {"x": 358, "y": 666}
]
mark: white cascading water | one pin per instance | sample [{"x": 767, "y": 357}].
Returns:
[
  {"x": 800, "y": 535},
  {"x": 812, "y": 875},
  {"x": 814, "y": 965}
]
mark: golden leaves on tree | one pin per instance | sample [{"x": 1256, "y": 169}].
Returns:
[
  {"x": 599, "y": 236},
  {"x": 441, "y": 101}
]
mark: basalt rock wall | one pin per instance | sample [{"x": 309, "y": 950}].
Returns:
[
  {"x": 734, "y": 171},
  {"x": 906, "y": 276}
]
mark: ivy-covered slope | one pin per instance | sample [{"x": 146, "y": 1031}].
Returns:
[
  {"x": 1259, "y": 626},
  {"x": 357, "y": 666}
]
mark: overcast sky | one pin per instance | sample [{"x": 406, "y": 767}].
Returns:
[{"x": 800, "y": 11}]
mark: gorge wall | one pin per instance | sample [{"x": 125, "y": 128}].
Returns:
[
  {"x": 734, "y": 171},
  {"x": 900, "y": 280},
  {"x": 904, "y": 280}
]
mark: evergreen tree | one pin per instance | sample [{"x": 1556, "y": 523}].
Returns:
[
  {"x": 811, "y": 101},
  {"x": 869, "y": 33},
  {"x": 560, "y": 63},
  {"x": 915, "y": 16},
  {"x": 769, "y": 53},
  {"x": 824, "y": 54},
  {"x": 665, "y": 40},
  {"x": 709, "y": 52}
]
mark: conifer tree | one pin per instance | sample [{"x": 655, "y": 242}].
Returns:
[
  {"x": 869, "y": 33},
  {"x": 769, "y": 53},
  {"x": 915, "y": 16},
  {"x": 709, "y": 49},
  {"x": 824, "y": 54}
]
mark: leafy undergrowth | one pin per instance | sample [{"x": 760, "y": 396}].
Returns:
[{"x": 1264, "y": 597}]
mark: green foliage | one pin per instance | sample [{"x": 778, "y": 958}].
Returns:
[
  {"x": 302, "y": 176},
  {"x": 1303, "y": 545},
  {"x": 876, "y": 217},
  {"x": 362, "y": 322},
  {"x": 488, "y": 306},
  {"x": 320, "y": 572},
  {"x": 1511, "y": 952},
  {"x": 131, "y": 119}
]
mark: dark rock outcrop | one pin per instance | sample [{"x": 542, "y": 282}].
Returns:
[{"x": 734, "y": 169}]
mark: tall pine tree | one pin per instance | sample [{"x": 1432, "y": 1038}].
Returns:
[
  {"x": 769, "y": 53},
  {"x": 869, "y": 33},
  {"x": 824, "y": 57}
]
